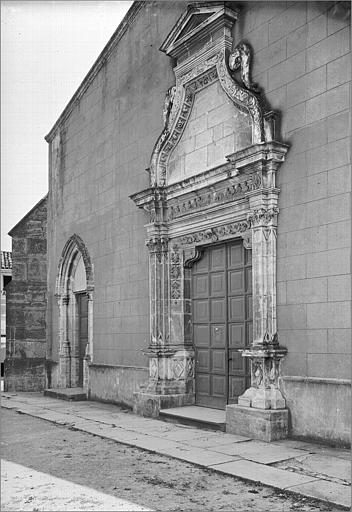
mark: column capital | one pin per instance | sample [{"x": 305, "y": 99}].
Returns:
[{"x": 263, "y": 217}]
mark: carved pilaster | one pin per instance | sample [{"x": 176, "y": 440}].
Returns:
[
  {"x": 159, "y": 286},
  {"x": 265, "y": 353},
  {"x": 64, "y": 344}
]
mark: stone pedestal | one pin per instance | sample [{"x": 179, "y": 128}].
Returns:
[{"x": 264, "y": 424}]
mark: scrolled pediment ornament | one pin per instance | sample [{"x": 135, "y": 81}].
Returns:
[{"x": 179, "y": 101}]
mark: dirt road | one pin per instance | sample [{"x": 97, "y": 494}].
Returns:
[{"x": 152, "y": 481}]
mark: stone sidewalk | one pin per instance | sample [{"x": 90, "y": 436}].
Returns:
[{"x": 307, "y": 469}]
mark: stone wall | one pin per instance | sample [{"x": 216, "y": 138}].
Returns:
[
  {"x": 215, "y": 128},
  {"x": 98, "y": 159},
  {"x": 302, "y": 60},
  {"x": 26, "y": 304},
  {"x": 98, "y": 155}
]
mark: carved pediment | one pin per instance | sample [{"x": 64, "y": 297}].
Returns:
[{"x": 196, "y": 26}]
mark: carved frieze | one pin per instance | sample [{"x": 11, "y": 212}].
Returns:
[
  {"x": 223, "y": 196},
  {"x": 215, "y": 234}
]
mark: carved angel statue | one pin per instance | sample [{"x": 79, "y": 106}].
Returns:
[
  {"x": 169, "y": 99},
  {"x": 240, "y": 58}
]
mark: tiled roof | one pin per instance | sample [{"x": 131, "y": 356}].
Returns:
[{"x": 6, "y": 260}]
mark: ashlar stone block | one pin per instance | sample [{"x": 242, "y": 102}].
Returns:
[{"x": 264, "y": 424}]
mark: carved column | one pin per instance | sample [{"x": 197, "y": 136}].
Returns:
[
  {"x": 64, "y": 348},
  {"x": 265, "y": 353}
]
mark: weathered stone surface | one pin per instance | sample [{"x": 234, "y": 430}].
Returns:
[
  {"x": 264, "y": 474},
  {"x": 264, "y": 424},
  {"x": 147, "y": 404},
  {"x": 26, "y": 304}
]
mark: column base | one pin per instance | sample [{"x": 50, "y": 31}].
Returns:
[
  {"x": 149, "y": 404},
  {"x": 264, "y": 424}
]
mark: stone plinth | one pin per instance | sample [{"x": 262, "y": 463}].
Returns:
[
  {"x": 264, "y": 424},
  {"x": 149, "y": 404}
]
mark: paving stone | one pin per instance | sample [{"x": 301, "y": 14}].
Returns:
[
  {"x": 330, "y": 466},
  {"x": 264, "y": 474},
  {"x": 198, "y": 455},
  {"x": 327, "y": 491},
  {"x": 217, "y": 440},
  {"x": 260, "y": 452},
  {"x": 180, "y": 435},
  {"x": 155, "y": 444},
  {"x": 327, "y": 450}
]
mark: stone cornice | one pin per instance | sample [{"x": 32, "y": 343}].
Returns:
[{"x": 94, "y": 70}]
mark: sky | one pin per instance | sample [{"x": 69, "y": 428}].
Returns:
[{"x": 47, "y": 48}]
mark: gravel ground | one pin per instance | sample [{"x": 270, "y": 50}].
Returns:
[{"x": 151, "y": 480}]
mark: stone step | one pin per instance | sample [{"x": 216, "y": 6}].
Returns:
[
  {"x": 196, "y": 416},
  {"x": 70, "y": 394}
]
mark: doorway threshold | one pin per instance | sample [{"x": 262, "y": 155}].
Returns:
[
  {"x": 196, "y": 416},
  {"x": 69, "y": 394}
]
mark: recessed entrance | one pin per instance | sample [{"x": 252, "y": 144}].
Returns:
[
  {"x": 222, "y": 323},
  {"x": 82, "y": 318}
]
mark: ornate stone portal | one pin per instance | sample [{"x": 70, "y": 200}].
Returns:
[{"x": 212, "y": 179}]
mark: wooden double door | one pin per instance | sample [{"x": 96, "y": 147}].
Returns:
[{"x": 222, "y": 323}]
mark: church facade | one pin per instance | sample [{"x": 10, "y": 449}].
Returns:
[{"x": 199, "y": 218}]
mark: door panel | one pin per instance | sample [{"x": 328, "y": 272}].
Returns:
[
  {"x": 217, "y": 284},
  {"x": 222, "y": 322},
  {"x": 237, "y": 309},
  {"x": 218, "y": 335},
  {"x": 218, "y": 310}
]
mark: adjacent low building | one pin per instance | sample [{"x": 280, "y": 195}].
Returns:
[
  {"x": 199, "y": 218},
  {"x": 26, "y": 303},
  {"x": 6, "y": 273}
]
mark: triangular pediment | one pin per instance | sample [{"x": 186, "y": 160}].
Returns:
[{"x": 196, "y": 24}]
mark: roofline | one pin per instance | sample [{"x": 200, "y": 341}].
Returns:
[
  {"x": 100, "y": 61},
  {"x": 28, "y": 213}
]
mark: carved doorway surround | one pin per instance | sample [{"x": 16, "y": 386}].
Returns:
[
  {"x": 231, "y": 195},
  {"x": 75, "y": 279}
]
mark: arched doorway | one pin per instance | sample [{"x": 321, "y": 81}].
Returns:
[{"x": 75, "y": 301}]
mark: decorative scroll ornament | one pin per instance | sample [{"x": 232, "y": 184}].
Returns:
[
  {"x": 179, "y": 101},
  {"x": 169, "y": 98},
  {"x": 240, "y": 58}
]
